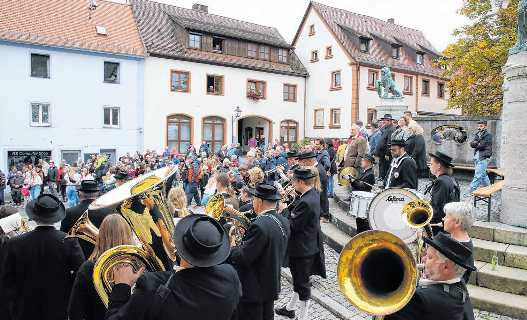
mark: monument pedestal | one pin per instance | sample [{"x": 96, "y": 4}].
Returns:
[
  {"x": 395, "y": 107},
  {"x": 514, "y": 142}
]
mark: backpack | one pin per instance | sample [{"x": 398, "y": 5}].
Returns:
[
  {"x": 455, "y": 194},
  {"x": 191, "y": 174}
]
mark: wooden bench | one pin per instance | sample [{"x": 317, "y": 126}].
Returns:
[
  {"x": 492, "y": 173},
  {"x": 485, "y": 194}
]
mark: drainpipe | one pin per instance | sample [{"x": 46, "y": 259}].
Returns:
[{"x": 305, "y": 94}]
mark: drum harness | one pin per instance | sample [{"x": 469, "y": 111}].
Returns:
[{"x": 395, "y": 164}]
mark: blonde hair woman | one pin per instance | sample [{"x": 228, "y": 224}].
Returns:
[
  {"x": 223, "y": 185},
  {"x": 416, "y": 148},
  {"x": 315, "y": 180},
  {"x": 177, "y": 201},
  {"x": 256, "y": 175}
]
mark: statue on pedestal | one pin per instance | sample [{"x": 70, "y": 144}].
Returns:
[
  {"x": 521, "y": 29},
  {"x": 388, "y": 84}
]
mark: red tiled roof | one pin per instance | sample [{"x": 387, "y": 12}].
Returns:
[
  {"x": 157, "y": 23},
  {"x": 65, "y": 23},
  {"x": 342, "y": 21}
]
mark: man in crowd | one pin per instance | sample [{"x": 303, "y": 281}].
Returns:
[
  {"x": 200, "y": 288},
  {"x": 38, "y": 265},
  {"x": 375, "y": 135},
  {"x": 441, "y": 294},
  {"x": 191, "y": 180},
  {"x": 482, "y": 145},
  {"x": 310, "y": 160},
  {"x": 322, "y": 154},
  {"x": 3, "y": 181},
  {"x": 403, "y": 169},
  {"x": 53, "y": 176},
  {"x": 259, "y": 259},
  {"x": 362, "y": 130},
  {"x": 16, "y": 188},
  {"x": 383, "y": 147},
  {"x": 355, "y": 149},
  {"x": 281, "y": 158}
]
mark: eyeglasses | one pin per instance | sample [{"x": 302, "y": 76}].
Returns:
[{"x": 394, "y": 149}]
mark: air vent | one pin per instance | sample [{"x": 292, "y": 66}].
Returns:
[{"x": 101, "y": 30}]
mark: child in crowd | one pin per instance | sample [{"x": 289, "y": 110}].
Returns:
[
  {"x": 25, "y": 192},
  {"x": 459, "y": 217}
]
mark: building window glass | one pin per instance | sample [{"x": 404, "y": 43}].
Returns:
[
  {"x": 256, "y": 85},
  {"x": 111, "y": 72},
  {"x": 335, "y": 80},
  {"x": 334, "y": 119},
  {"x": 288, "y": 131},
  {"x": 371, "y": 114},
  {"x": 440, "y": 90},
  {"x": 319, "y": 119},
  {"x": 407, "y": 84},
  {"x": 111, "y": 117},
  {"x": 283, "y": 55},
  {"x": 426, "y": 88},
  {"x": 214, "y": 84},
  {"x": 420, "y": 58},
  {"x": 39, "y": 65},
  {"x": 290, "y": 92},
  {"x": 264, "y": 52},
  {"x": 395, "y": 52},
  {"x": 217, "y": 44},
  {"x": 252, "y": 50},
  {"x": 214, "y": 132},
  {"x": 373, "y": 75},
  {"x": 40, "y": 114},
  {"x": 179, "y": 132},
  {"x": 311, "y": 29},
  {"x": 364, "y": 45},
  {"x": 179, "y": 81},
  {"x": 329, "y": 52},
  {"x": 195, "y": 40},
  {"x": 314, "y": 55}
]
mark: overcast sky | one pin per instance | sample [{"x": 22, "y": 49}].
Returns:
[{"x": 436, "y": 19}]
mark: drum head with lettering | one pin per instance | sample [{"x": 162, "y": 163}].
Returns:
[{"x": 384, "y": 213}]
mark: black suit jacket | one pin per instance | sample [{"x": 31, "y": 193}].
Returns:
[
  {"x": 195, "y": 293},
  {"x": 383, "y": 148},
  {"x": 37, "y": 269},
  {"x": 259, "y": 259},
  {"x": 434, "y": 303},
  {"x": 85, "y": 303},
  {"x": 483, "y": 145},
  {"x": 405, "y": 175},
  {"x": 305, "y": 225},
  {"x": 95, "y": 216},
  {"x": 442, "y": 187},
  {"x": 367, "y": 176},
  {"x": 324, "y": 201},
  {"x": 416, "y": 148}
]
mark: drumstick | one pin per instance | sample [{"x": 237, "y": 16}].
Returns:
[{"x": 371, "y": 185}]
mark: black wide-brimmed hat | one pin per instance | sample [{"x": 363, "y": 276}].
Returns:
[
  {"x": 122, "y": 175},
  {"x": 201, "y": 241},
  {"x": 452, "y": 249},
  {"x": 46, "y": 209},
  {"x": 89, "y": 186},
  {"x": 265, "y": 192},
  {"x": 370, "y": 158},
  {"x": 306, "y": 155},
  {"x": 303, "y": 174},
  {"x": 443, "y": 158},
  {"x": 400, "y": 143},
  {"x": 387, "y": 116},
  {"x": 291, "y": 154}
]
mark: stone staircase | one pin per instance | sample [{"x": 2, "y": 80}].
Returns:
[{"x": 503, "y": 291}]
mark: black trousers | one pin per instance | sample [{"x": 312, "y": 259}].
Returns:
[
  {"x": 16, "y": 195},
  {"x": 384, "y": 167},
  {"x": 300, "y": 269},
  {"x": 256, "y": 310},
  {"x": 362, "y": 225}
]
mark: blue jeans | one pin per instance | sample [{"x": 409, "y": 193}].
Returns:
[
  {"x": 71, "y": 192},
  {"x": 331, "y": 185},
  {"x": 193, "y": 192},
  {"x": 480, "y": 174},
  {"x": 35, "y": 192},
  {"x": 206, "y": 198}
]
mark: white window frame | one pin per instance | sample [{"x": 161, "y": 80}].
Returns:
[
  {"x": 420, "y": 58},
  {"x": 118, "y": 125},
  {"x": 118, "y": 80},
  {"x": 39, "y": 123},
  {"x": 31, "y": 65}
]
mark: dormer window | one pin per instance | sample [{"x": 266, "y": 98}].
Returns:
[
  {"x": 217, "y": 44},
  {"x": 195, "y": 41},
  {"x": 420, "y": 58},
  {"x": 395, "y": 51},
  {"x": 364, "y": 45},
  {"x": 283, "y": 55}
]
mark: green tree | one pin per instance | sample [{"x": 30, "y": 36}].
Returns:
[{"x": 474, "y": 62}]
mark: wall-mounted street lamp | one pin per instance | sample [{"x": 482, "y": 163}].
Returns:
[{"x": 236, "y": 115}]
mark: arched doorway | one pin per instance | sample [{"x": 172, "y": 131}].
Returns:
[{"x": 253, "y": 126}]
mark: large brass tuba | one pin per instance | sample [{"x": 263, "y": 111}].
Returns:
[
  {"x": 217, "y": 209},
  {"x": 143, "y": 204},
  {"x": 377, "y": 272}
]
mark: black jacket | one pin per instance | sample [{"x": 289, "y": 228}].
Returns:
[
  {"x": 38, "y": 269},
  {"x": 442, "y": 188},
  {"x": 405, "y": 174},
  {"x": 432, "y": 302},
  {"x": 305, "y": 225},
  {"x": 259, "y": 259},
  {"x": 416, "y": 148},
  {"x": 483, "y": 144},
  {"x": 195, "y": 293},
  {"x": 53, "y": 174},
  {"x": 324, "y": 201},
  {"x": 85, "y": 303},
  {"x": 367, "y": 176},
  {"x": 383, "y": 148},
  {"x": 332, "y": 154},
  {"x": 95, "y": 216}
]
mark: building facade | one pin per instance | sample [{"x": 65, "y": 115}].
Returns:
[{"x": 74, "y": 86}]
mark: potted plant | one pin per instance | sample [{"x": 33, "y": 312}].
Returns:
[{"x": 255, "y": 95}]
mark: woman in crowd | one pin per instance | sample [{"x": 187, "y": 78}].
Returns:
[
  {"x": 73, "y": 179},
  {"x": 256, "y": 175},
  {"x": 401, "y": 133},
  {"x": 223, "y": 185},
  {"x": 416, "y": 148},
  {"x": 333, "y": 168},
  {"x": 85, "y": 303},
  {"x": 210, "y": 188},
  {"x": 35, "y": 182},
  {"x": 177, "y": 201}
]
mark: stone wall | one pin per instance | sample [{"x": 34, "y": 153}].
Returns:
[{"x": 452, "y": 131}]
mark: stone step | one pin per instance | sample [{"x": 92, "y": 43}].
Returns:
[
  {"x": 509, "y": 255},
  {"x": 504, "y": 279},
  {"x": 502, "y": 303},
  {"x": 341, "y": 219},
  {"x": 499, "y": 232},
  {"x": 334, "y": 237}
]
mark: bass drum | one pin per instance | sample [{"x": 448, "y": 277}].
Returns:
[{"x": 384, "y": 212}]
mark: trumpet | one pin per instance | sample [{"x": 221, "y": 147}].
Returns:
[
  {"x": 289, "y": 196},
  {"x": 217, "y": 209},
  {"x": 280, "y": 167}
]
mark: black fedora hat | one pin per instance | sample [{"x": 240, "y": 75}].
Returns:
[
  {"x": 387, "y": 116},
  {"x": 452, "y": 249},
  {"x": 306, "y": 155},
  {"x": 291, "y": 154},
  {"x": 303, "y": 174},
  {"x": 46, "y": 209},
  {"x": 400, "y": 143},
  {"x": 122, "y": 175},
  {"x": 89, "y": 186},
  {"x": 370, "y": 158},
  {"x": 265, "y": 192},
  {"x": 201, "y": 241},
  {"x": 443, "y": 158}
]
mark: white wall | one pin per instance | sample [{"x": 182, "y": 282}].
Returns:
[
  {"x": 160, "y": 101},
  {"x": 76, "y": 93}
]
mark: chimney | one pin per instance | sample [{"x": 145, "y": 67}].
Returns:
[
  {"x": 200, "y": 8},
  {"x": 391, "y": 21}
]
